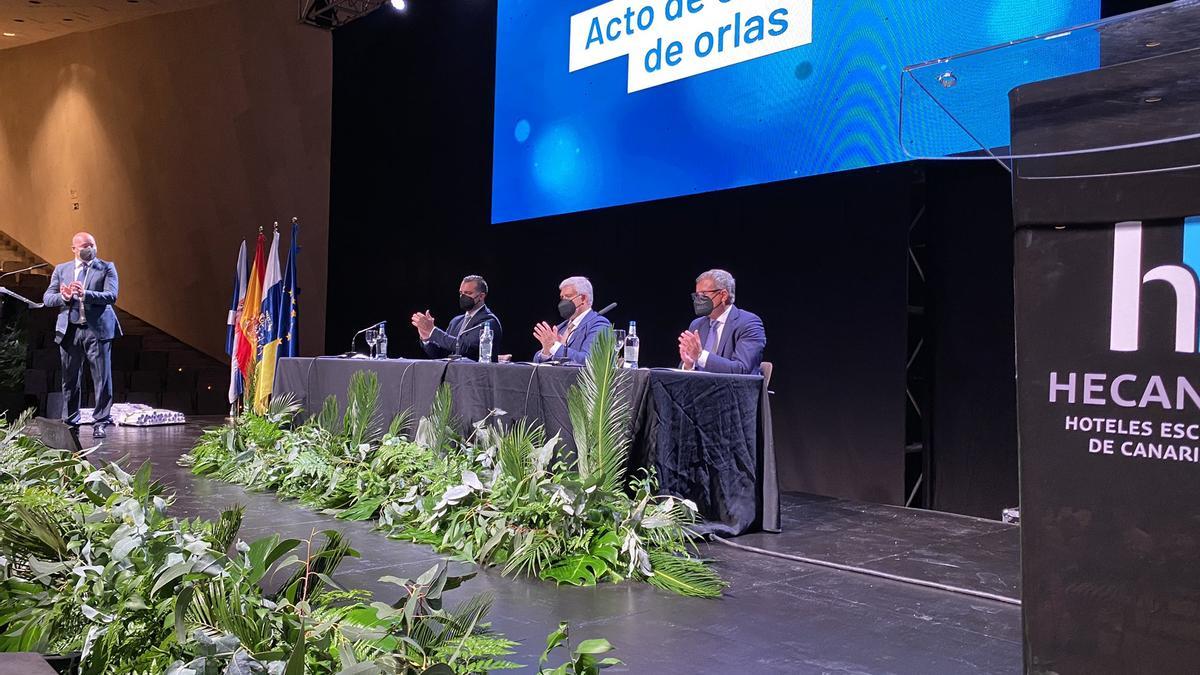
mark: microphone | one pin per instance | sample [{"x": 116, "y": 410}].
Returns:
[
  {"x": 474, "y": 328},
  {"x": 27, "y": 269},
  {"x": 353, "y": 339},
  {"x": 563, "y": 360},
  {"x": 458, "y": 338}
]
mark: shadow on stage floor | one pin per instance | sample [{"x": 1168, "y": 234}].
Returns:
[{"x": 779, "y": 615}]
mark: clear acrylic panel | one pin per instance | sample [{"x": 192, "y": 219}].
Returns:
[{"x": 957, "y": 108}]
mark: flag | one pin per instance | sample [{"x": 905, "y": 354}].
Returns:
[
  {"x": 289, "y": 308},
  {"x": 248, "y": 346},
  {"x": 233, "y": 333},
  {"x": 268, "y": 329}
]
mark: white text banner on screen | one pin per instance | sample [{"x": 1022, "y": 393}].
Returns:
[{"x": 669, "y": 40}]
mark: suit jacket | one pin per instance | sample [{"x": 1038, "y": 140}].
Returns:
[
  {"x": 579, "y": 344},
  {"x": 443, "y": 343},
  {"x": 740, "y": 350},
  {"x": 99, "y": 294}
]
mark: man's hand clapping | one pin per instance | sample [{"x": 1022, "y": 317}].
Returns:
[{"x": 423, "y": 321}]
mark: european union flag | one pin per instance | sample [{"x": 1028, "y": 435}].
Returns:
[{"x": 288, "y": 313}]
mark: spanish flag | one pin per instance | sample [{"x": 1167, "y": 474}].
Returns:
[{"x": 268, "y": 329}]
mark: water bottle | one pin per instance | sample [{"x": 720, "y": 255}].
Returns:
[
  {"x": 381, "y": 344},
  {"x": 485, "y": 344},
  {"x": 631, "y": 346}
]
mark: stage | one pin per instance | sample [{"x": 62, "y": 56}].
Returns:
[{"x": 778, "y": 615}]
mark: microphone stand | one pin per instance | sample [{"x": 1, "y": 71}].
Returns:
[
  {"x": 28, "y": 303},
  {"x": 27, "y": 269},
  {"x": 353, "y": 339},
  {"x": 457, "y": 339}
]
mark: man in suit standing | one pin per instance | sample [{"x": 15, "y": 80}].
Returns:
[
  {"x": 461, "y": 337},
  {"x": 725, "y": 339},
  {"x": 85, "y": 290},
  {"x": 572, "y": 339}
]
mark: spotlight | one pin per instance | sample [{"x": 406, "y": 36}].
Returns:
[{"x": 333, "y": 14}]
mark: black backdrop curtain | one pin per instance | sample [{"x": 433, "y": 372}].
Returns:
[{"x": 822, "y": 260}]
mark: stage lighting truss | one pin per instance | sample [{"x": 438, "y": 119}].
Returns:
[{"x": 331, "y": 14}]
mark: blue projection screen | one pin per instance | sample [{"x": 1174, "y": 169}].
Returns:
[{"x": 607, "y": 103}]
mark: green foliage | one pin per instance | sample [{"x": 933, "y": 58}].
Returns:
[
  {"x": 439, "y": 430},
  {"x": 496, "y": 497},
  {"x": 583, "y": 659},
  {"x": 599, "y": 412},
  {"x": 362, "y": 408},
  {"x": 91, "y": 563}
]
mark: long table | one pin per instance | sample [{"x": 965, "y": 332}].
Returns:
[{"x": 702, "y": 432}]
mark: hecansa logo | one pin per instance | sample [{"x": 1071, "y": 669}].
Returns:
[{"x": 1128, "y": 280}]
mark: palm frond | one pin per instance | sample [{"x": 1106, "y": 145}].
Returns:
[
  {"x": 534, "y": 552},
  {"x": 34, "y": 531},
  {"x": 517, "y": 446},
  {"x": 283, "y": 407},
  {"x": 306, "y": 580},
  {"x": 439, "y": 429},
  {"x": 685, "y": 576},
  {"x": 327, "y": 419},
  {"x": 599, "y": 409},
  {"x": 361, "y": 422},
  {"x": 226, "y": 528},
  {"x": 400, "y": 423},
  {"x": 464, "y": 620}
]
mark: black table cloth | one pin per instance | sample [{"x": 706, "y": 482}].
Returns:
[{"x": 702, "y": 432}]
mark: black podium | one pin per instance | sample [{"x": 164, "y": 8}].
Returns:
[{"x": 1105, "y": 163}]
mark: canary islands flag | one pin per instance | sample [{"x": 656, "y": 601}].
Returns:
[{"x": 268, "y": 329}]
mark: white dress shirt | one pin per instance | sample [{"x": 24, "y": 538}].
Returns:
[
  {"x": 703, "y": 360},
  {"x": 570, "y": 329}
]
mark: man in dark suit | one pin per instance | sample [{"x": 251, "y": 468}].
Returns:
[
  {"x": 572, "y": 339},
  {"x": 725, "y": 339},
  {"x": 461, "y": 337},
  {"x": 85, "y": 290}
]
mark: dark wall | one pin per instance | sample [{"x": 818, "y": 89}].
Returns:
[
  {"x": 973, "y": 430},
  {"x": 822, "y": 260}
]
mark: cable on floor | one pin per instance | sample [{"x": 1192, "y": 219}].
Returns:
[{"x": 869, "y": 572}]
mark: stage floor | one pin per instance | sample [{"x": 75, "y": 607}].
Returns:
[{"x": 778, "y": 615}]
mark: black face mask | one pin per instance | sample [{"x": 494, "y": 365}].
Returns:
[
  {"x": 566, "y": 308},
  {"x": 465, "y": 302},
  {"x": 702, "y": 304}
]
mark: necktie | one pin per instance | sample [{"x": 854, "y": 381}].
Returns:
[
  {"x": 76, "y": 315},
  {"x": 710, "y": 342},
  {"x": 566, "y": 338}
]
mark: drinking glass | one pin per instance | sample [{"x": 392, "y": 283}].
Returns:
[
  {"x": 619, "y": 346},
  {"x": 372, "y": 339}
]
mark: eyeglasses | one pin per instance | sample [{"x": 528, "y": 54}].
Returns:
[{"x": 699, "y": 293}]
